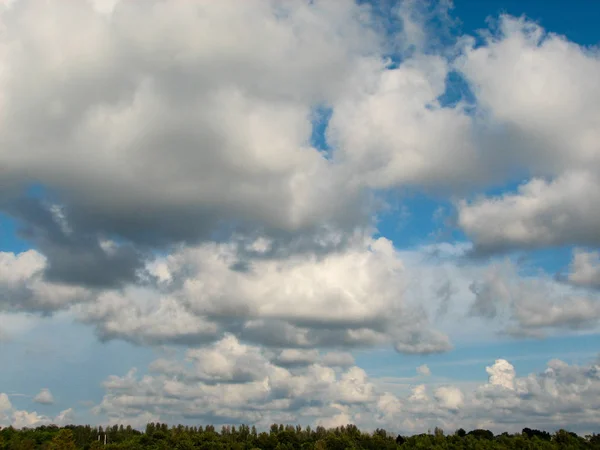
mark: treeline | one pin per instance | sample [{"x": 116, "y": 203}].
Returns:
[{"x": 279, "y": 437}]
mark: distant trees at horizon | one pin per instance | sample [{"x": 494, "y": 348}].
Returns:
[{"x": 278, "y": 437}]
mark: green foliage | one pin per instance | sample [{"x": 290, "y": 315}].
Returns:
[{"x": 159, "y": 436}]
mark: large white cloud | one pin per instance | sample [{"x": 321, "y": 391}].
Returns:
[
  {"x": 201, "y": 113},
  {"x": 393, "y": 131},
  {"x": 539, "y": 95},
  {"x": 368, "y": 294},
  {"x": 540, "y": 214},
  {"x": 349, "y": 298}
]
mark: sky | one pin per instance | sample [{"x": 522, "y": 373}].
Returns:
[{"x": 313, "y": 212}]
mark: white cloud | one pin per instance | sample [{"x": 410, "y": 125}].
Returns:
[
  {"x": 392, "y": 131},
  {"x": 424, "y": 370},
  {"x": 352, "y": 297},
  {"x": 561, "y": 396},
  {"x": 5, "y": 403},
  {"x": 23, "y": 287},
  {"x": 540, "y": 92},
  {"x": 502, "y": 373},
  {"x": 539, "y": 96},
  {"x": 233, "y": 382},
  {"x": 44, "y": 397},
  {"x": 192, "y": 119},
  {"x": 449, "y": 397},
  {"x": 533, "y": 305},
  {"x": 9, "y": 415},
  {"x": 26, "y": 419},
  {"x": 540, "y": 214}
]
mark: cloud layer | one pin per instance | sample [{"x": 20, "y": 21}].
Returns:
[
  {"x": 212, "y": 180},
  {"x": 235, "y": 383}
]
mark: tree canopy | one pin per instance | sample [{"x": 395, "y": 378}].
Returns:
[{"x": 279, "y": 437}]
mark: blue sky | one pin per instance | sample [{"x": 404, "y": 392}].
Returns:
[{"x": 277, "y": 206}]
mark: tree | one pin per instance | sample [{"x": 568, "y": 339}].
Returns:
[
  {"x": 63, "y": 440},
  {"x": 482, "y": 434},
  {"x": 461, "y": 433}
]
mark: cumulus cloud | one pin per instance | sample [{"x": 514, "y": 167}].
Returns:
[
  {"x": 44, "y": 397},
  {"x": 5, "y": 403},
  {"x": 501, "y": 373},
  {"x": 350, "y": 298},
  {"x": 393, "y": 132},
  {"x": 424, "y": 370},
  {"x": 449, "y": 397},
  {"x": 562, "y": 395},
  {"x": 539, "y": 95},
  {"x": 167, "y": 148},
  {"x": 541, "y": 213},
  {"x": 26, "y": 419},
  {"x": 541, "y": 92},
  {"x": 531, "y": 306},
  {"x": 17, "y": 418},
  {"x": 23, "y": 287},
  {"x": 233, "y": 382}
]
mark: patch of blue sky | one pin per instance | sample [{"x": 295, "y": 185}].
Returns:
[
  {"x": 68, "y": 359},
  {"x": 413, "y": 219},
  {"x": 457, "y": 91},
  {"x": 320, "y": 121},
  {"x": 577, "y": 20},
  {"x": 10, "y": 241}
]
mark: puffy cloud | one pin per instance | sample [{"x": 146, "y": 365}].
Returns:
[
  {"x": 26, "y": 419},
  {"x": 502, "y": 373},
  {"x": 539, "y": 96},
  {"x": 561, "y": 396},
  {"x": 9, "y": 415},
  {"x": 23, "y": 287},
  {"x": 300, "y": 303},
  {"x": 541, "y": 213},
  {"x": 449, "y": 397},
  {"x": 163, "y": 131},
  {"x": 349, "y": 298},
  {"x": 145, "y": 317},
  {"x": 44, "y": 397},
  {"x": 424, "y": 370},
  {"x": 5, "y": 403},
  {"x": 393, "y": 131},
  {"x": 233, "y": 382},
  {"x": 531, "y": 306},
  {"x": 540, "y": 93}
]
